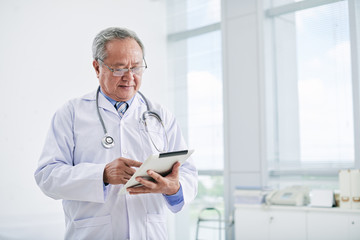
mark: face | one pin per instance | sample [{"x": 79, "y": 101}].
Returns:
[{"x": 125, "y": 53}]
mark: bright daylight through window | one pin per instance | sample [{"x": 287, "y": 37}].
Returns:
[
  {"x": 195, "y": 72},
  {"x": 310, "y": 105}
]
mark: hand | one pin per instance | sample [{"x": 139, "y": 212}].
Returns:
[
  {"x": 120, "y": 170},
  {"x": 168, "y": 185}
]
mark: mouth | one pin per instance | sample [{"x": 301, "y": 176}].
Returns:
[{"x": 125, "y": 87}]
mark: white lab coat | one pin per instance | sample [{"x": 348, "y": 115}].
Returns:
[{"x": 72, "y": 164}]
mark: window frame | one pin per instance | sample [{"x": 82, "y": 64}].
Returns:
[
  {"x": 184, "y": 35},
  {"x": 178, "y": 36},
  {"x": 327, "y": 170}
]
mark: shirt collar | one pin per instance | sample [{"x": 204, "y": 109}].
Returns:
[{"x": 112, "y": 101}]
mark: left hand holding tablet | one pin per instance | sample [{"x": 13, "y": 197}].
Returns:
[{"x": 168, "y": 184}]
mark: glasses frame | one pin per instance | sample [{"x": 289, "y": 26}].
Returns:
[{"x": 123, "y": 70}]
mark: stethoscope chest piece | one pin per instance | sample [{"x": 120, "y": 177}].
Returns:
[{"x": 108, "y": 142}]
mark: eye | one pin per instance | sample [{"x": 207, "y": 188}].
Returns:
[{"x": 121, "y": 69}]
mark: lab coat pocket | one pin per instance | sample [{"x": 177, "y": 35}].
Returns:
[
  {"x": 156, "y": 227},
  {"x": 96, "y": 228}
]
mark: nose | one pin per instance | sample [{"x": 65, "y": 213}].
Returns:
[{"x": 128, "y": 75}]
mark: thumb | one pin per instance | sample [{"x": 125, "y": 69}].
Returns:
[{"x": 175, "y": 169}]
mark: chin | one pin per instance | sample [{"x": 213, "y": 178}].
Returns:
[{"x": 126, "y": 96}]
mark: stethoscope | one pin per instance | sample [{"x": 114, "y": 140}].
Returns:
[{"x": 108, "y": 142}]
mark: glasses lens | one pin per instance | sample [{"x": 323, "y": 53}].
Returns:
[
  {"x": 119, "y": 72},
  {"x": 138, "y": 70}
]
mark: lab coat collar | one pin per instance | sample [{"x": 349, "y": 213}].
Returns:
[{"x": 105, "y": 104}]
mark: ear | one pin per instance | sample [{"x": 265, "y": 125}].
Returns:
[{"x": 96, "y": 67}]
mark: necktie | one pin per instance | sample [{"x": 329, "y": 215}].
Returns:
[{"x": 121, "y": 108}]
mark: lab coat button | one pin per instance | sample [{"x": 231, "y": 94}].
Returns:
[{"x": 124, "y": 151}]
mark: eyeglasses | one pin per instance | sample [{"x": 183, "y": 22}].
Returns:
[{"x": 121, "y": 71}]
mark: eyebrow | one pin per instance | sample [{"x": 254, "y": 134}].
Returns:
[{"x": 116, "y": 65}]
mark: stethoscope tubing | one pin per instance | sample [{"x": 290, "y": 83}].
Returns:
[
  {"x": 108, "y": 141},
  {"x": 98, "y": 111}
]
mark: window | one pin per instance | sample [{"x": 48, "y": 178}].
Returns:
[
  {"x": 310, "y": 117},
  {"x": 195, "y": 72}
]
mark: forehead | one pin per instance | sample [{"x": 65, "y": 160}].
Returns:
[{"x": 119, "y": 49}]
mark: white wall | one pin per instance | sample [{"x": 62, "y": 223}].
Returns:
[
  {"x": 45, "y": 59},
  {"x": 243, "y": 68}
]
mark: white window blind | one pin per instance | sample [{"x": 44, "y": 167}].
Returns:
[
  {"x": 310, "y": 121},
  {"x": 195, "y": 76}
]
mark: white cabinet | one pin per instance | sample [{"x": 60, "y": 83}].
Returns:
[
  {"x": 266, "y": 223},
  {"x": 259, "y": 222},
  {"x": 284, "y": 225},
  {"x": 251, "y": 224},
  {"x": 333, "y": 226},
  {"x": 354, "y": 227}
]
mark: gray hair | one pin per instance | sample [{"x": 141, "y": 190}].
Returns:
[{"x": 108, "y": 34}]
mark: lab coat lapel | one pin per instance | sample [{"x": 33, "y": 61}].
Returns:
[
  {"x": 133, "y": 107},
  {"x": 106, "y": 104}
]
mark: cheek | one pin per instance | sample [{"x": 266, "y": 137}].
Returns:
[
  {"x": 102, "y": 76},
  {"x": 137, "y": 82},
  {"x": 106, "y": 81}
]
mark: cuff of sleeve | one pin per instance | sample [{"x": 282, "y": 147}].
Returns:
[
  {"x": 176, "y": 198},
  {"x": 105, "y": 188}
]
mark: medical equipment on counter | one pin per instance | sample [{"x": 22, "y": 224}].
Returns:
[
  {"x": 250, "y": 194},
  {"x": 322, "y": 198},
  {"x": 292, "y": 196},
  {"x": 108, "y": 141}
]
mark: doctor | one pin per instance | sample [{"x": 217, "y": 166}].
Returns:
[{"x": 87, "y": 174}]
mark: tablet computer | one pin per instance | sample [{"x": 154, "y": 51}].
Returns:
[{"x": 161, "y": 163}]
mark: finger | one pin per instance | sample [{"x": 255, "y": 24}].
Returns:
[
  {"x": 137, "y": 193},
  {"x": 137, "y": 189},
  {"x": 131, "y": 192},
  {"x": 175, "y": 169},
  {"x": 130, "y": 171},
  {"x": 146, "y": 183},
  {"x": 132, "y": 163},
  {"x": 129, "y": 162},
  {"x": 157, "y": 177},
  {"x": 141, "y": 190},
  {"x": 176, "y": 166}
]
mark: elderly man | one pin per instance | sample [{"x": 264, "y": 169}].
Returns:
[{"x": 96, "y": 142}]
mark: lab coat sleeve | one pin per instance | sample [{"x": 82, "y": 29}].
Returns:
[
  {"x": 56, "y": 175},
  {"x": 188, "y": 175}
]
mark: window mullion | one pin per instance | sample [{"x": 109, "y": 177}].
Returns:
[
  {"x": 193, "y": 32},
  {"x": 297, "y": 6},
  {"x": 354, "y": 22}
]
